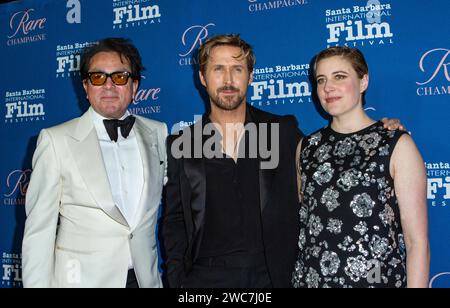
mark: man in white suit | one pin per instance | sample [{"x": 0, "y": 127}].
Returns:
[{"x": 94, "y": 195}]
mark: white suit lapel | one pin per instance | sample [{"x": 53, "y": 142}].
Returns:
[
  {"x": 148, "y": 146},
  {"x": 86, "y": 151}
]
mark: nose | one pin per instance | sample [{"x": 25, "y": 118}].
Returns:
[
  {"x": 328, "y": 86},
  {"x": 109, "y": 83},
  {"x": 228, "y": 78}
]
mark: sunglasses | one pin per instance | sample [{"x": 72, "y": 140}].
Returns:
[{"x": 118, "y": 78}]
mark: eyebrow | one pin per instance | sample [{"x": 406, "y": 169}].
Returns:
[
  {"x": 340, "y": 72},
  {"x": 120, "y": 70},
  {"x": 334, "y": 73},
  {"x": 233, "y": 65}
]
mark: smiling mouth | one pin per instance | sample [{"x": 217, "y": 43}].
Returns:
[
  {"x": 228, "y": 92},
  {"x": 331, "y": 100}
]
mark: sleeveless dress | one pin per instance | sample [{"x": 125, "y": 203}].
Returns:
[{"x": 351, "y": 236}]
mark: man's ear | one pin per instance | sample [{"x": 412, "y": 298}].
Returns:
[
  {"x": 85, "y": 85},
  {"x": 135, "y": 87},
  {"x": 202, "y": 78}
]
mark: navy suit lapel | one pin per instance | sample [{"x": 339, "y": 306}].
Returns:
[
  {"x": 265, "y": 182},
  {"x": 194, "y": 169},
  {"x": 265, "y": 175},
  {"x": 195, "y": 173}
]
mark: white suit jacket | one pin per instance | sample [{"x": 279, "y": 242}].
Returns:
[{"x": 75, "y": 236}]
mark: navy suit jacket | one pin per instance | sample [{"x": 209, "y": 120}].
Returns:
[{"x": 184, "y": 211}]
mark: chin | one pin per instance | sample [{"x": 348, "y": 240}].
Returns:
[
  {"x": 115, "y": 113},
  {"x": 333, "y": 113},
  {"x": 229, "y": 106}
]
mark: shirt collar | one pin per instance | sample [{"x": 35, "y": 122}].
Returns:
[{"x": 100, "y": 127}]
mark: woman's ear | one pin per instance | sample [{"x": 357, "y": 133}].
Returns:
[{"x": 364, "y": 83}]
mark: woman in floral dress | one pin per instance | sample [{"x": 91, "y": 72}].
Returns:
[{"x": 363, "y": 189}]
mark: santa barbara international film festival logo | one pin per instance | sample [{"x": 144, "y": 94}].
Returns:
[
  {"x": 280, "y": 85},
  {"x": 26, "y": 27},
  {"x": 16, "y": 188},
  {"x": 25, "y": 105},
  {"x": 438, "y": 190},
  {"x": 358, "y": 26},
  {"x": 434, "y": 64},
  {"x": 135, "y": 13},
  {"x": 192, "y": 38},
  {"x": 266, "y": 5},
  {"x": 11, "y": 274},
  {"x": 68, "y": 57}
]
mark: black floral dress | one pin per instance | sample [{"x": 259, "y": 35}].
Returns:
[{"x": 351, "y": 234}]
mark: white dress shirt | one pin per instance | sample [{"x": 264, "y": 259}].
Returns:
[
  {"x": 125, "y": 170},
  {"x": 123, "y": 165}
]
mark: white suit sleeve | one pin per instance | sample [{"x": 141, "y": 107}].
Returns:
[{"x": 42, "y": 210}]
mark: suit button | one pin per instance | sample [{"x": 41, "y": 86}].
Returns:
[{"x": 131, "y": 236}]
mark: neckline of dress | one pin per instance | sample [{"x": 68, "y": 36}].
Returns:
[{"x": 355, "y": 132}]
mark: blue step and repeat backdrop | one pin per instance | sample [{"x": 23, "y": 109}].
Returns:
[{"x": 406, "y": 43}]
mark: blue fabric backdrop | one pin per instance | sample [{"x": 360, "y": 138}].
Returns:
[{"x": 406, "y": 44}]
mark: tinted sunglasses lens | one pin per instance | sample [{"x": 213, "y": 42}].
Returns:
[
  {"x": 97, "y": 79},
  {"x": 120, "y": 78}
]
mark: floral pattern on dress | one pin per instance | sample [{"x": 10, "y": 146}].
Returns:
[{"x": 350, "y": 228}]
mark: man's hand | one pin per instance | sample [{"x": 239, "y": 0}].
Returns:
[{"x": 393, "y": 124}]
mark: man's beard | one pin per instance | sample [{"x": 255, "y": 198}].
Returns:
[{"x": 229, "y": 103}]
